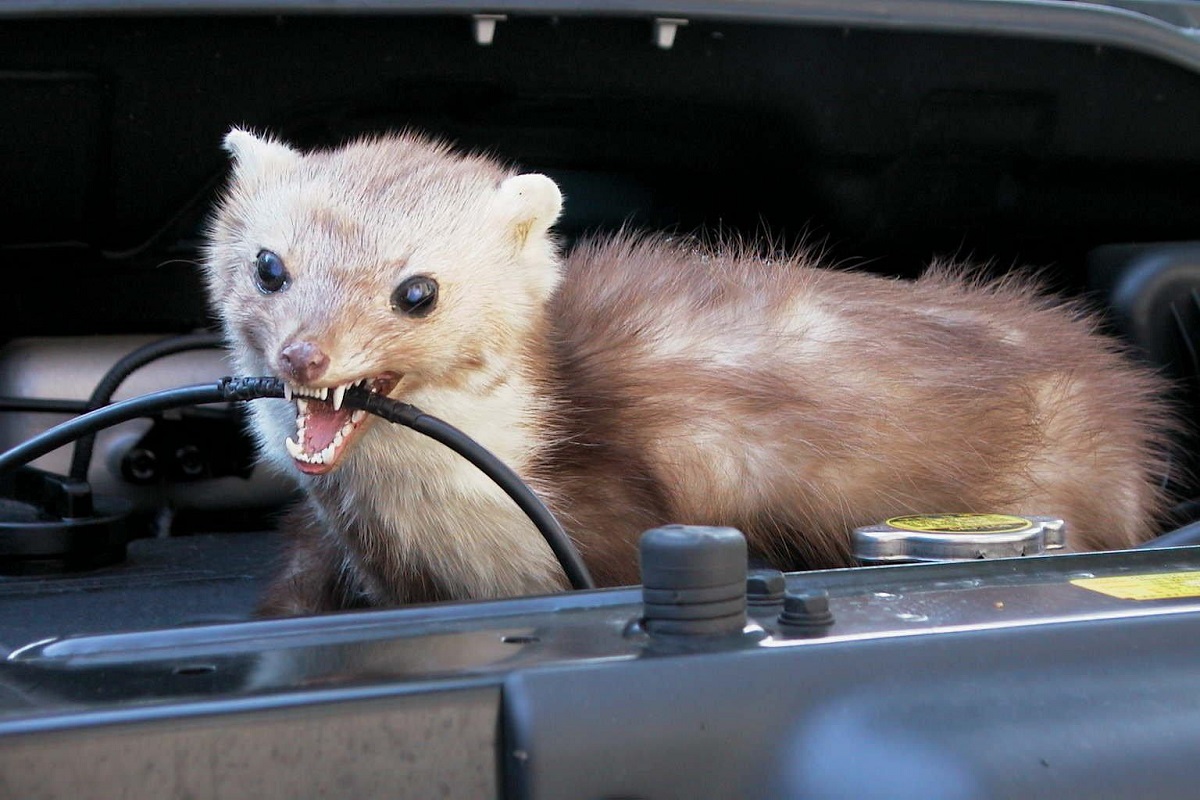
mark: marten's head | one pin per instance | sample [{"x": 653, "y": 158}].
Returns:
[{"x": 392, "y": 262}]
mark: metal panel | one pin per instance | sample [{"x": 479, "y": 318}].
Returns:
[
  {"x": 1096, "y": 709},
  {"x": 437, "y": 744}
]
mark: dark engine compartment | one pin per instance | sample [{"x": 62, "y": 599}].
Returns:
[
  {"x": 887, "y": 146},
  {"x": 1055, "y": 137}
]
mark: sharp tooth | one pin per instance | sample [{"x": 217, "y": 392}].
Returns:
[
  {"x": 357, "y": 416},
  {"x": 294, "y": 449},
  {"x": 338, "y": 394},
  {"x": 287, "y": 391},
  {"x": 302, "y": 406}
]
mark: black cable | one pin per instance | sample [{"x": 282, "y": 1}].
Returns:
[
  {"x": 42, "y": 404},
  {"x": 445, "y": 433},
  {"x": 233, "y": 389},
  {"x": 81, "y": 458},
  {"x": 225, "y": 390}
]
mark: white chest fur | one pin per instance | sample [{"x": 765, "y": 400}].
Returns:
[{"x": 401, "y": 498}]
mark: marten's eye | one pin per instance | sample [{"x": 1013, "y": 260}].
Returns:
[
  {"x": 415, "y": 296},
  {"x": 269, "y": 273}
]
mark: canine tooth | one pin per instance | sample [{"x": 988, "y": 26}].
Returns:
[
  {"x": 339, "y": 393},
  {"x": 327, "y": 453},
  {"x": 287, "y": 391},
  {"x": 294, "y": 449},
  {"x": 302, "y": 406}
]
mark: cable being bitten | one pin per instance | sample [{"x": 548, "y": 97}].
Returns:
[{"x": 636, "y": 381}]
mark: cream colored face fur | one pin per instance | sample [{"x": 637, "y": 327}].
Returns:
[{"x": 480, "y": 232}]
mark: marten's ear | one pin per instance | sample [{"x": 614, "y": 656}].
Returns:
[
  {"x": 254, "y": 154},
  {"x": 529, "y": 205}
]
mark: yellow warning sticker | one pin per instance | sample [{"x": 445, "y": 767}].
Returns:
[
  {"x": 961, "y": 523},
  {"x": 1160, "y": 586}
]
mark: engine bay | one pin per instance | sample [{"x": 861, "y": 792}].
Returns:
[{"x": 1054, "y": 137}]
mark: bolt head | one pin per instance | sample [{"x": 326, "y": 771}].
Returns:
[
  {"x": 765, "y": 585},
  {"x": 808, "y": 601}
]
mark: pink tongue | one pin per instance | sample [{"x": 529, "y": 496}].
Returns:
[{"x": 321, "y": 424}]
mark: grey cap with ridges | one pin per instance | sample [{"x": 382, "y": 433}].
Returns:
[{"x": 693, "y": 580}]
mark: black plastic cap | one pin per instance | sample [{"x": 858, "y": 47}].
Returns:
[
  {"x": 692, "y": 557},
  {"x": 694, "y": 580},
  {"x": 52, "y": 524}
]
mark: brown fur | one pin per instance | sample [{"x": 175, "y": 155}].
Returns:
[
  {"x": 661, "y": 381},
  {"x": 919, "y": 404}
]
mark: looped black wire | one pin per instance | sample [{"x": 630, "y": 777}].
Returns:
[
  {"x": 416, "y": 419},
  {"x": 252, "y": 388},
  {"x": 81, "y": 459}
]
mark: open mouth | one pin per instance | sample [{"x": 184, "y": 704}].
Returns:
[{"x": 324, "y": 428}]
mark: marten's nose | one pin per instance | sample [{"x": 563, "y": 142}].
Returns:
[{"x": 303, "y": 362}]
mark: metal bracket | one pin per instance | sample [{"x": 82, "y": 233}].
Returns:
[
  {"x": 665, "y": 29},
  {"x": 485, "y": 27}
]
